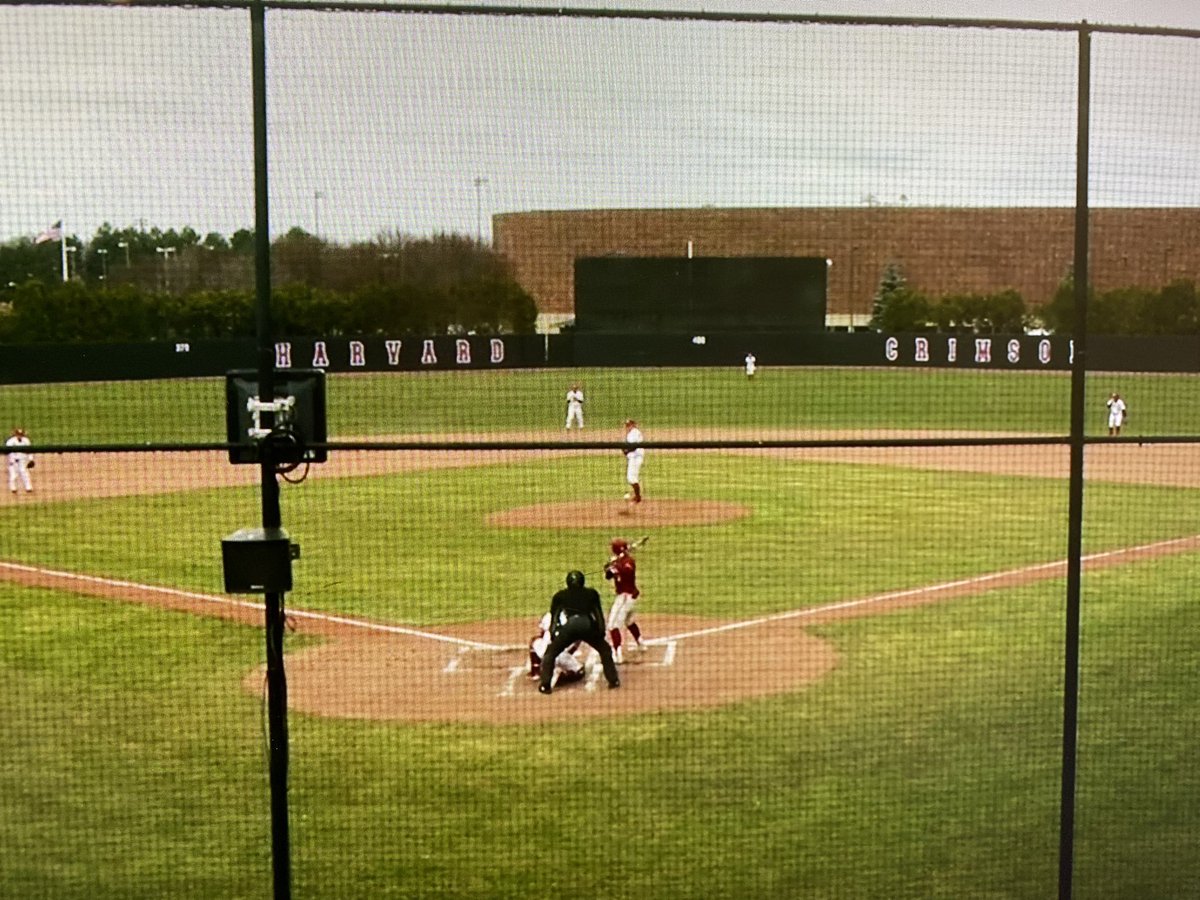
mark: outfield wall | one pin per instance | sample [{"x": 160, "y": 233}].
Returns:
[{"x": 194, "y": 359}]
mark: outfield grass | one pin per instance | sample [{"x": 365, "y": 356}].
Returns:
[
  {"x": 193, "y": 410},
  {"x": 926, "y": 765}
]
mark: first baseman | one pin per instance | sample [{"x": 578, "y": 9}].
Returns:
[
  {"x": 574, "y": 407},
  {"x": 19, "y": 462}
]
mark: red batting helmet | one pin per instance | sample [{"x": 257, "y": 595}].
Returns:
[{"x": 620, "y": 545}]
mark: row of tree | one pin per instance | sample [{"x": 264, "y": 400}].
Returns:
[
  {"x": 70, "y": 312},
  {"x": 1172, "y": 309},
  {"x": 180, "y": 262},
  {"x": 139, "y": 284}
]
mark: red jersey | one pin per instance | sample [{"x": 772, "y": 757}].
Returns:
[{"x": 623, "y": 573}]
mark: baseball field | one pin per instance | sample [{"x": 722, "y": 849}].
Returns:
[{"x": 852, "y": 685}]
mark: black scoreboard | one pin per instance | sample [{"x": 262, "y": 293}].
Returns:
[{"x": 669, "y": 295}]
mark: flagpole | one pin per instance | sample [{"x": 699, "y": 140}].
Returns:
[{"x": 62, "y": 246}]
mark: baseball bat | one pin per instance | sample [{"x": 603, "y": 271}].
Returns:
[{"x": 633, "y": 545}]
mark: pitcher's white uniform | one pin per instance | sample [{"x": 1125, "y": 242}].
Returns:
[
  {"x": 634, "y": 454},
  {"x": 751, "y": 365},
  {"x": 18, "y": 461},
  {"x": 574, "y": 407}
]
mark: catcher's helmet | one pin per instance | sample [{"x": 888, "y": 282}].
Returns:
[
  {"x": 574, "y": 578},
  {"x": 620, "y": 545}
]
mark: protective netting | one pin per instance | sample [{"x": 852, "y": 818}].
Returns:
[{"x": 850, "y": 542}]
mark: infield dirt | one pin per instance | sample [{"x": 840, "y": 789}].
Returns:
[{"x": 475, "y": 671}]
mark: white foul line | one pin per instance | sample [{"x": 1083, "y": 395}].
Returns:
[
  {"x": 246, "y": 604},
  {"x": 929, "y": 589},
  {"x": 670, "y": 641}
]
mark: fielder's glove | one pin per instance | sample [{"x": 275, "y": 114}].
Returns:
[{"x": 31, "y": 464}]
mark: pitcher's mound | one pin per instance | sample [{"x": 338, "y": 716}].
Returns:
[{"x": 609, "y": 513}]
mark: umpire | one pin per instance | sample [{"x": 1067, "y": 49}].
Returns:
[{"x": 576, "y": 615}]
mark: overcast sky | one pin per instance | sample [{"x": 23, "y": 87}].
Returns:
[{"x": 423, "y": 123}]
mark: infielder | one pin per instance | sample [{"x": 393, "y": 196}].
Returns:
[
  {"x": 19, "y": 462},
  {"x": 567, "y": 668},
  {"x": 634, "y": 454},
  {"x": 621, "y": 570},
  {"x": 751, "y": 365},
  {"x": 1118, "y": 412},
  {"x": 574, "y": 407}
]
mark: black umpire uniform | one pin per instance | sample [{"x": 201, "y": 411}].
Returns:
[{"x": 576, "y": 615}]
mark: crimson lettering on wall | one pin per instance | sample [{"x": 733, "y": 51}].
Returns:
[
  {"x": 943, "y": 350},
  {"x": 390, "y": 353}
]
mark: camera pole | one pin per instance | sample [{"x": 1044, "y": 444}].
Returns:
[{"x": 271, "y": 515}]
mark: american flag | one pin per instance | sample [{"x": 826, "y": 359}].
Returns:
[{"x": 53, "y": 233}]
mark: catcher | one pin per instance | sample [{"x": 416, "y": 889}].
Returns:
[
  {"x": 567, "y": 668},
  {"x": 575, "y": 616}
]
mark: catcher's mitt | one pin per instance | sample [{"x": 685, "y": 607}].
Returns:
[{"x": 31, "y": 464}]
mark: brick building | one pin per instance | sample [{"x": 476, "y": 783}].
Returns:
[{"x": 939, "y": 250}]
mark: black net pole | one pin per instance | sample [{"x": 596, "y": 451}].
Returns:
[
  {"x": 1066, "y": 834},
  {"x": 271, "y": 516}
]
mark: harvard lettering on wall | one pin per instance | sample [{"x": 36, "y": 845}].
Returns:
[
  {"x": 408, "y": 354},
  {"x": 979, "y": 351}
]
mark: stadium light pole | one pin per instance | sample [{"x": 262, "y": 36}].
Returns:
[
  {"x": 70, "y": 252},
  {"x": 480, "y": 181},
  {"x": 103, "y": 253},
  {"x": 166, "y": 272},
  {"x": 853, "y": 267}
]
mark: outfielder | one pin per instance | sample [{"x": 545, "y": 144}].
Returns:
[
  {"x": 574, "y": 407},
  {"x": 634, "y": 454},
  {"x": 1118, "y": 412},
  {"x": 621, "y": 570},
  {"x": 751, "y": 365},
  {"x": 567, "y": 668},
  {"x": 19, "y": 462}
]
